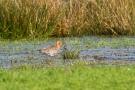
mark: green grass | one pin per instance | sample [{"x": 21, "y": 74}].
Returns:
[{"x": 69, "y": 78}]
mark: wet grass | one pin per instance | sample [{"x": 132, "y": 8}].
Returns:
[
  {"x": 70, "y": 54},
  {"x": 86, "y": 63},
  {"x": 74, "y": 45},
  {"x": 110, "y": 42},
  {"x": 17, "y": 46},
  {"x": 75, "y": 77}
]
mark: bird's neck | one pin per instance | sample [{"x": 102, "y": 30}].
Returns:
[{"x": 57, "y": 45}]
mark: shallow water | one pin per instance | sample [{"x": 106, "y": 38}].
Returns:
[{"x": 101, "y": 49}]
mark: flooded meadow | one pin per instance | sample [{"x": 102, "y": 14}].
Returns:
[{"x": 92, "y": 50}]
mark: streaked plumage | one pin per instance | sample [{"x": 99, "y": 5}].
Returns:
[{"x": 52, "y": 50}]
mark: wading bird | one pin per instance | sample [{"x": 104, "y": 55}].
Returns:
[{"x": 52, "y": 50}]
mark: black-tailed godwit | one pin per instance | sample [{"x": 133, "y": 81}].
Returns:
[{"x": 52, "y": 50}]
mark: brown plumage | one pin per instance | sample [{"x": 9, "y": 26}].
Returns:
[{"x": 52, "y": 50}]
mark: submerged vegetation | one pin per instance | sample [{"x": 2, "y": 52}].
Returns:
[
  {"x": 44, "y": 18},
  {"x": 99, "y": 50}
]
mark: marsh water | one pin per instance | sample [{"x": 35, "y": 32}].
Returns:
[{"x": 113, "y": 50}]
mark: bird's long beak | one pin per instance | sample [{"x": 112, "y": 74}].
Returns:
[{"x": 63, "y": 46}]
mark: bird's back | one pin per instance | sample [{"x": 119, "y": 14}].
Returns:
[{"x": 50, "y": 50}]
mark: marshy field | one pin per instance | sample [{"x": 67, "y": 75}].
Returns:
[
  {"x": 92, "y": 62},
  {"x": 98, "y": 36}
]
